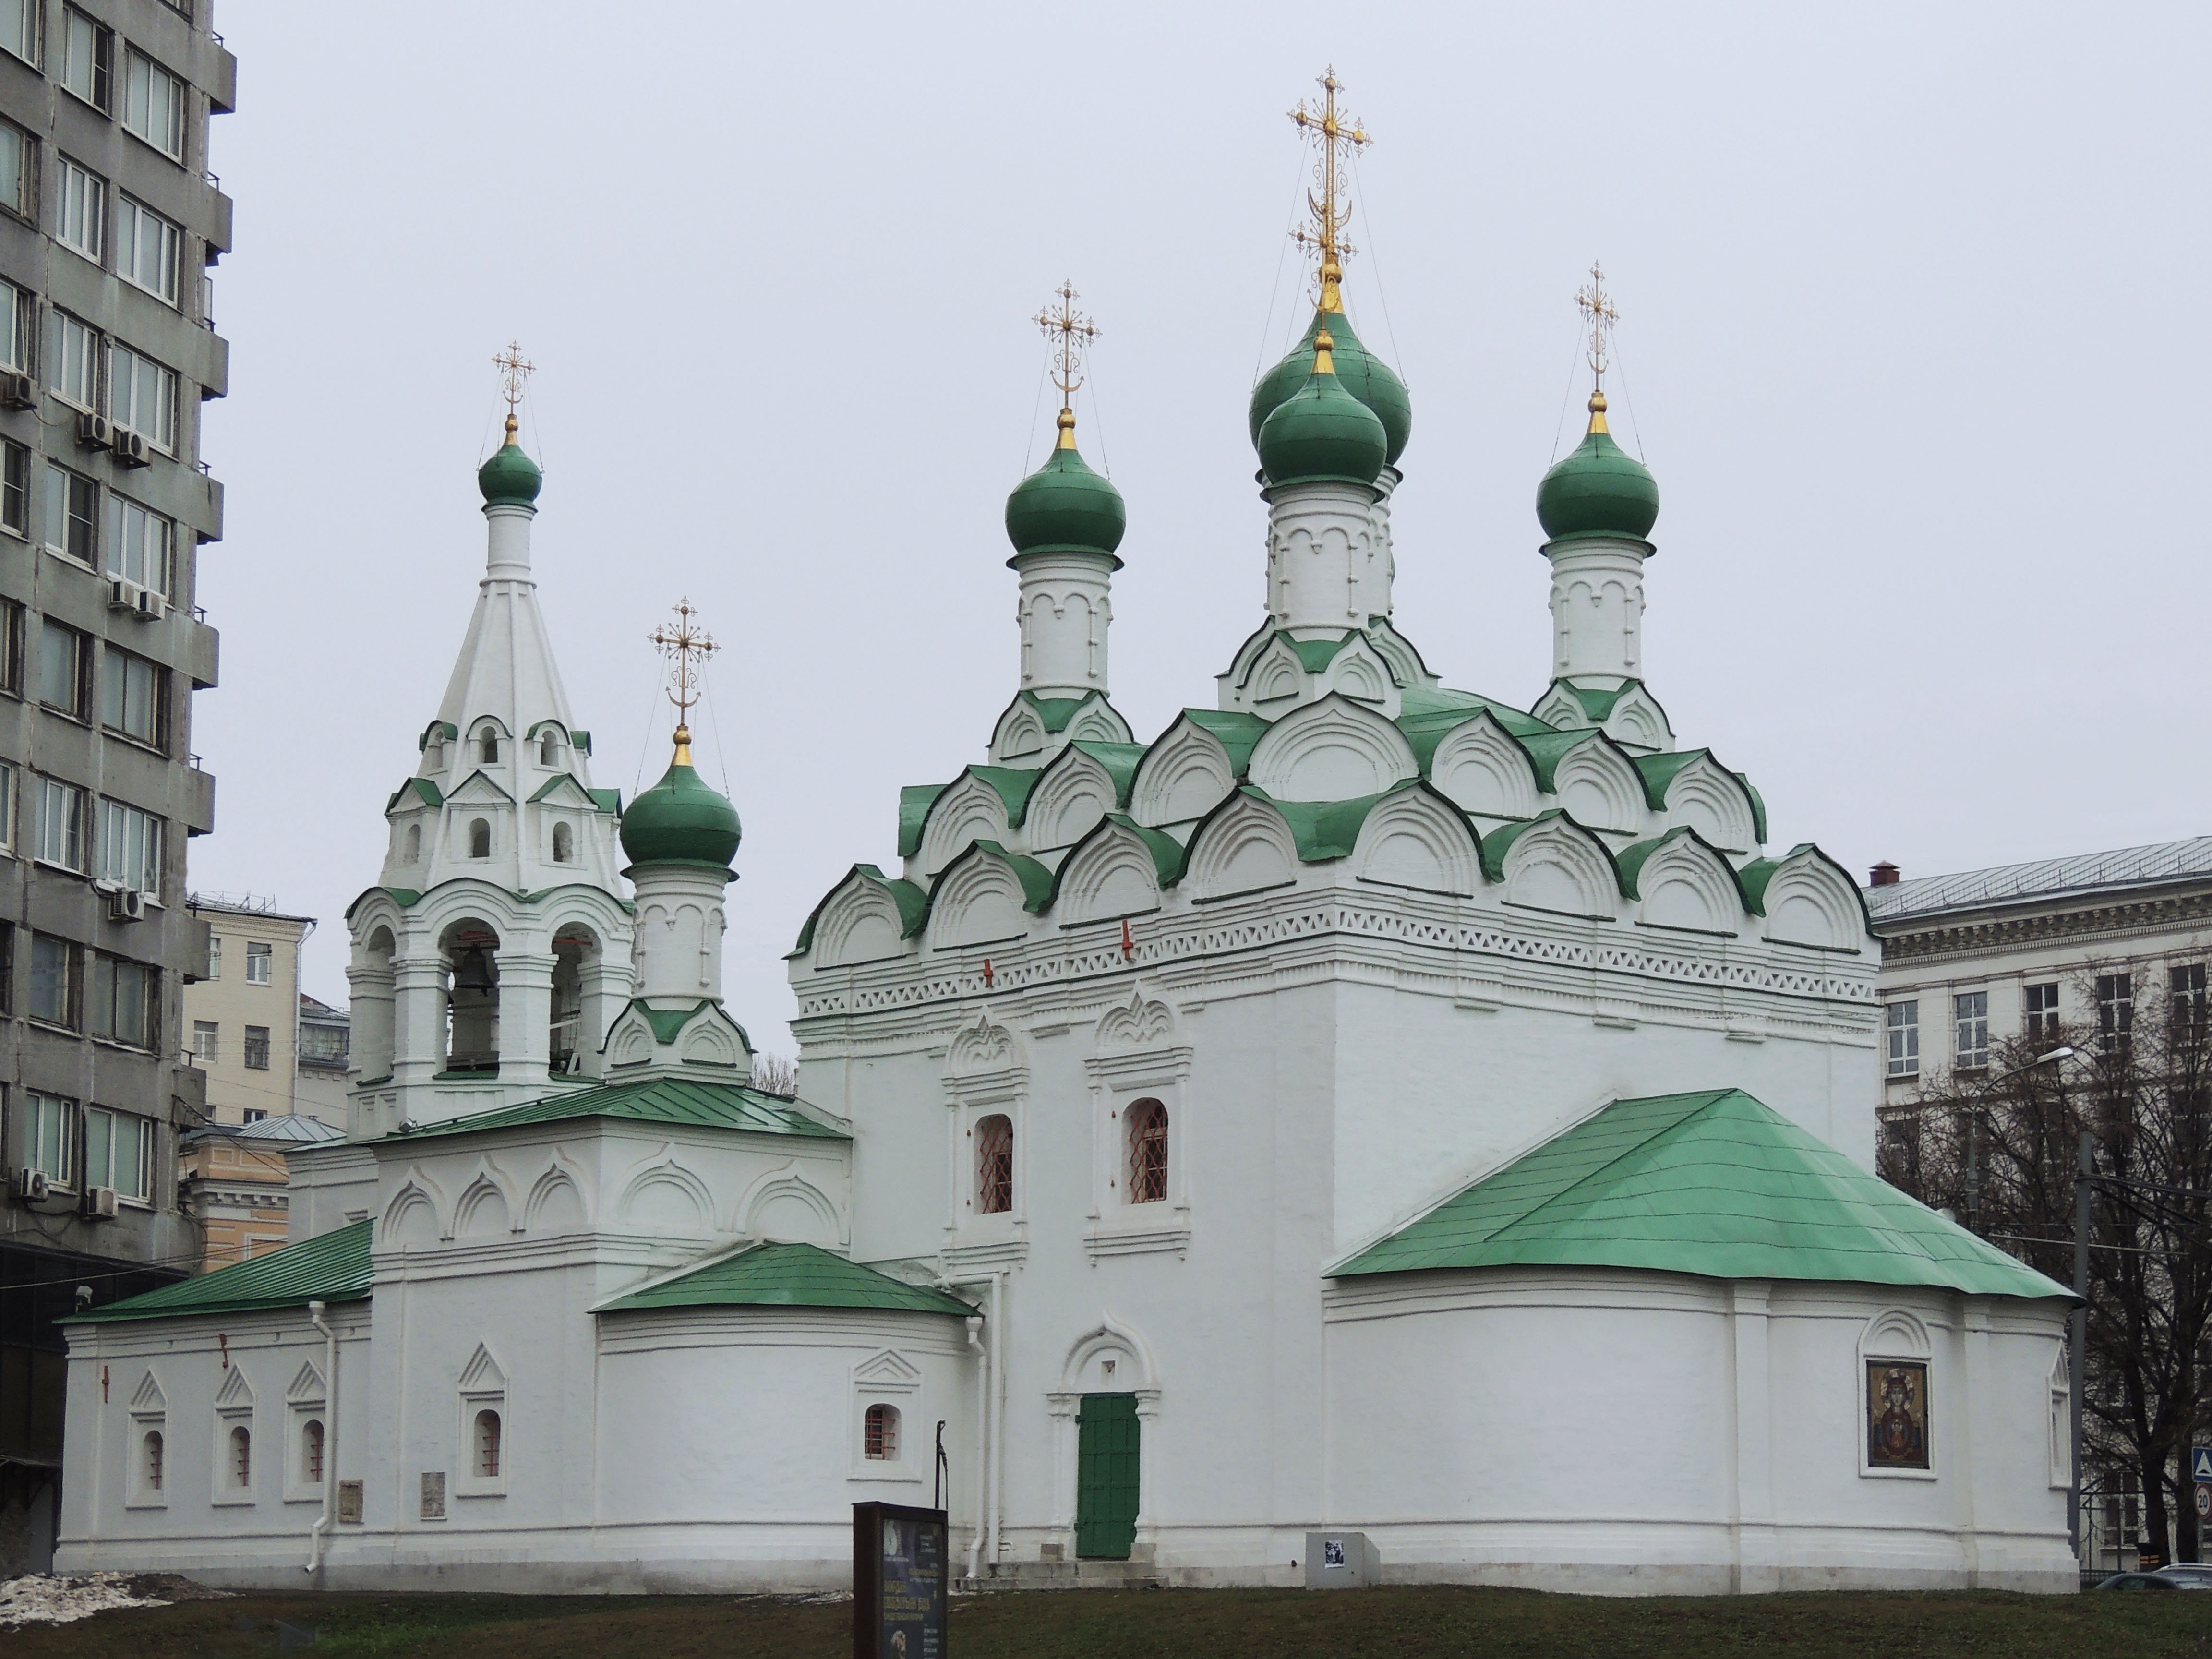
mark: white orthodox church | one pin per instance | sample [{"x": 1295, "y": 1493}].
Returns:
[{"x": 1366, "y": 1106}]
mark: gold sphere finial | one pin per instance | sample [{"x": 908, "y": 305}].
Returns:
[
  {"x": 1324, "y": 347},
  {"x": 1597, "y": 412},
  {"x": 514, "y": 426},
  {"x": 683, "y": 745},
  {"x": 1065, "y": 421}
]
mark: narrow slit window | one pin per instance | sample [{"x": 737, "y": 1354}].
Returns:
[
  {"x": 479, "y": 838},
  {"x": 995, "y": 1165},
  {"x": 153, "y": 1460},
  {"x": 487, "y": 1447},
  {"x": 311, "y": 1452},
  {"x": 241, "y": 1458}
]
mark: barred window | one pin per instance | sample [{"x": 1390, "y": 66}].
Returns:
[
  {"x": 487, "y": 1448},
  {"x": 995, "y": 1165},
  {"x": 880, "y": 1433},
  {"x": 1148, "y": 1152}
]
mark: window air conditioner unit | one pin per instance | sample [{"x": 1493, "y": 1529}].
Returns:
[
  {"x": 29, "y": 1185},
  {"x": 151, "y": 605},
  {"x": 130, "y": 448},
  {"x": 126, "y": 904},
  {"x": 93, "y": 431},
  {"x": 18, "y": 390},
  {"x": 98, "y": 1204},
  {"x": 122, "y": 595}
]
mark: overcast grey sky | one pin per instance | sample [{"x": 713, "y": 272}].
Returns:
[{"x": 1910, "y": 334}]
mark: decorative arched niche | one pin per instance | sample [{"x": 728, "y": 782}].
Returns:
[
  {"x": 1598, "y": 785},
  {"x": 1809, "y": 900},
  {"x": 1075, "y": 792},
  {"x": 1900, "y": 1393},
  {"x": 1114, "y": 872},
  {"x": 1243, "y": 847},
  {"x": 868, "y": 917},
  {"x": 1185, "y": 775},
  {"x": 1481, "y": 770},
  {"x": 1681, "y": 882},
  {"x": 1416, "y": 839},
  {"x": 1331, "y": 751},
  {"x": 1553, "y": 864}
]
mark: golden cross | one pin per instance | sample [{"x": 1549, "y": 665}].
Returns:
[
  {"x": 1597, "y": 309},
  {"x": 513, "y": 369},
  {"x": 1071, "y": 333},
  {"x": 680, "y": 645},
  {"x": 1339, "y": 139}
]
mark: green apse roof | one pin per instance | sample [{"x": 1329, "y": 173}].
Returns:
[
  {"x": 1064, "y": 506},
  {"x": 333, "y": 1267},
  {"x": 681, "y": 820},
  {"x": 1712, "y": 1183},
  {"x": 1322, "y": 432},
  {"x": 659, "y": 1100},
  {"x": 1364, "y": 375},
  {"x": 1600, "y": 490},
  {"x": 788, "y": 1276},
  {"x": 510, "y": 478}
]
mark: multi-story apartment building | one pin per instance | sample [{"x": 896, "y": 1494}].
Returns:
[
  {"x": 108, "y": 221},
  {"x": 242, "y": 1012}
]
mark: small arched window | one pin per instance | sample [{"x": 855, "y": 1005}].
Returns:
[
  {"x": 414, "y": 842},
  {"x": 487, "y": 1446},
  {"x": 564, "y": 844},
  {"x": 880, "y": 1434},
  {"x": 995, "y": 1165},
  {"x": 311, "y": 1452},
  {"x": 488, "y": 741},
  {"x": 152, "y": 1452},
  {"x": 549, "y": 751},
  {"x": 1148, "y": 1152},
  {"x": 479, "y": 838},
  {"x": 241, "y": 1458}
]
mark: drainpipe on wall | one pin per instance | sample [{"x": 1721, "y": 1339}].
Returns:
[
  {"x": 327, "y": 1520},
  {"x": 991, "y": 1428}
]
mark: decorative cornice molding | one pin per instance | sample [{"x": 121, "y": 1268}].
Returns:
[{"x": 2126, "y": 918}]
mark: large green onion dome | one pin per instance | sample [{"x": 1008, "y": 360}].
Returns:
[
  {"x": 510, "y": 478},
  {"x": 680, "y": 820},
  {"x": 1064, "y": 506},
  {"x": 1321, "y": 431},
  {"x": 1364, "y": 375},
  {"x": 1599, "y": 491}
]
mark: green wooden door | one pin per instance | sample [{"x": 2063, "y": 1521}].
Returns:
[{"x": 1106, "y": 1476}]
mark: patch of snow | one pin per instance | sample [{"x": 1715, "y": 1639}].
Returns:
[{"x": 45, "y": 1599}]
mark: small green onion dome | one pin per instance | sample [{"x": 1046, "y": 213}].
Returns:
[
  {"x": 680, "y": 820},
  {"x": 510, "y": 478},
  {"x": 1599, "y": 491},
  {"x": 1323, "y": 432},
  {"x": 1064, "y": 506},
  {"x": 1364, "y": 375}
]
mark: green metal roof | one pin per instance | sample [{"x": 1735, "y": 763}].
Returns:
[
  {"x": 553, "y": 785},
  {"x": 1499, "y": 841},
  {"x": 1239, "y": 733},
  {"x": 1547, "y": 748},
  {"x": 1422, "y": 702},
  {"x": 659, "y": 1100},
  {"x": 1630, "y": 860},
  {"x": 423, "y": 788},
  {"x": 1425, "y": 732},
  {"x": 1712, "y": 1183},
  {"x": 915, "y": 801},
  {"x": 788, "y": 1276},
  {"x": 610, "y": 800},
  {"x": 1168, "y": 855},
  {"x": 913, "y": 904},
  {"x": 1056, "y": 712},
  {"x": 1755, "y": 877},
  {"x": 1036, "y": 880},
  {"x": 405, "y": 897},
  {"x": 1120, "y": 760},
  {"x": 333, "y": 1267}
]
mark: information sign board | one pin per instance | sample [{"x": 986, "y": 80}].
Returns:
[{"x": 900, "y": 1561}]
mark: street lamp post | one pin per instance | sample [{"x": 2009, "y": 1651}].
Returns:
[{"x": 2077, "y": 1372}]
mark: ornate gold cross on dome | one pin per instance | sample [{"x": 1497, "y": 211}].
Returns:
[
  {"x": 1339, "y": 139},
  {"x": 1071, "y": 333},
  {"x": 513, "y": 369},
  {"x": 1596, "y": 308},
  {"x": 680, "y": 645}
]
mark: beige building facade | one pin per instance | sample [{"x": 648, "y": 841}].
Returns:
[{"x": 242, "y": 1018}]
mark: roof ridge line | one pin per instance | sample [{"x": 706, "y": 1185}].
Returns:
[
  {"x": 1713, "y": 1097},
  {"x": 654, "y": 1282}
]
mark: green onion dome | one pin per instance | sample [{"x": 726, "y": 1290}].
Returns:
[
  {"x": 510, "y": 478},
  {"x": 1321, "y": 431},
  {"x": 680, "y": 820},
  {"x": 1599, "y": 491},
  {"x": 1364, "y": 375},
  {"x": 1064, "y": 506}
]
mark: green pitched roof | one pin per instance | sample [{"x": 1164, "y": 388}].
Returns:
[
  {"x": 333, "y": 1267},
  {"x": 1713, "y": 1183},
  {"x": 1597, "y": 701},
  {"x": 659, "y": 1100},
  {"x": 788, "y": 1276},
  {"x": 914, "y": 811},
  {"x": 1427, "y": 702},
  {"x": 425, "y": 789}
]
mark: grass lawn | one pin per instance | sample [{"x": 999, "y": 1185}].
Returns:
[{"x": 1434, "y": 1623}]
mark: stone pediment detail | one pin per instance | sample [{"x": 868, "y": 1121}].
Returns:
[
  {"x": 1141, "y": 1023},
  {"x": 983, "y": 1047}
]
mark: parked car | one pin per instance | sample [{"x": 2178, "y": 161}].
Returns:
[
  {"x": 2183, "y": 1577},
  {"x": 2188, "y": 1576}
]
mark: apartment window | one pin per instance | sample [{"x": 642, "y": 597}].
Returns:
[
  {"x": 142, "y": 396},
  {"x": 7, "y": 974},
  {"x": 153, "y": 104},
  {"x": 257, "y": 1048},
  {"x": 147, "y": 248},
  {"x": 2186, "y": 991},
  {"x": 260, "y": 963},
  {"x": 118, "y": 1152},
  {"x": 215, "y": 956},
  {"x": 19, "y": 29},
  {"x": 1148, "y": 1152},
  {"x": 64, "y": 668},
  {"x": 53, "y": 980},
  {"x": 256, "y": 1114},
  {"x": 50, "y": 1137},
  {"x": 2042, "y": 1010},
  {"x": 207, "y": 1041},
  {"x": 72, "y": 514},
  {"x": 1902, "y": 1025},
  {"x": 131, "y": 695},
  {"x": 139, "y": 544},
  {"x": 995, "y": 1165},
  {"x": 72, "y": 359},
  {"x": 7, "y": 807},
  {"x": 11, "y": 647},
  {"x": 125, "y": 1000},
  {"x": 2116, "y": 1009},
  {"x": 1971, "y": 1010},
  {"x": 80, "y": 209},
  {"x": 130, "y": 848},
  {"x": 56, "y": 822},
  {"x": 15, "y": 486},
  {"x": 88, "y": 58},
  {"x": 19, "y": 170}
]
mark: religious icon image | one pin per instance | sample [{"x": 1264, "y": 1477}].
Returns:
[{"x": 1897, "y": 1414}]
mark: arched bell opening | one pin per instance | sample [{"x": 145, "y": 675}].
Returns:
[
  {"x": 470, "y": 949},
  {"x": 577, "y": 964}
]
